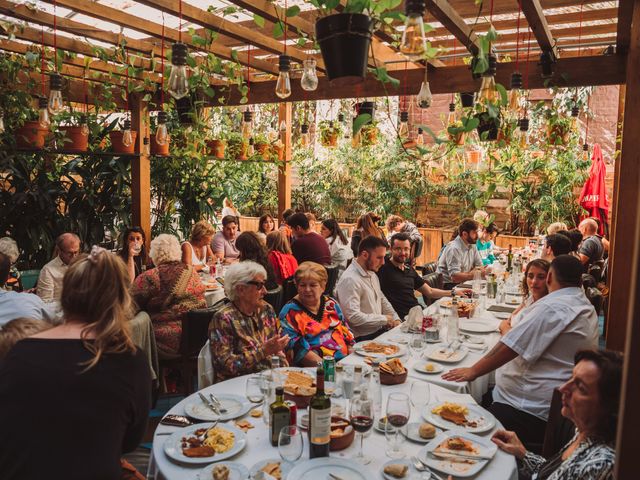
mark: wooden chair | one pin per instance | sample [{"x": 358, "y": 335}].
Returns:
[{"x": 559, "y": 429}]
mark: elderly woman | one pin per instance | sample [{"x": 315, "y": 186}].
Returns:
[
  {"x": 313, "y": 321},
  {"x": 9, "y": 247},
  {"x": 590, "y": 399},
  {"x": 245, "y": 333},
  {"x": 534, "y": 287},
  {"x": 167, "y": 292},
  {"x": 266, "y": 225},
  {"x": 197, "y": 250}
]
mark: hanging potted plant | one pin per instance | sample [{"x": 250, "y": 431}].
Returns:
[
  {"x": 558, "y": 128},
  {"x": 369, "y": 134},
  {"x": 237, "y": 147},
  {"x": 75, "y": 134},
  {"x": 32, "y": 134},
  {"x": 330, "y": 131},
  {"x": 159, "y": 127},
  {"x": 488, "y": 125},
  {"x": 123, "y": 141},
  {"x": 261, "y": 145},
  {"x": 456, "y": 132}
]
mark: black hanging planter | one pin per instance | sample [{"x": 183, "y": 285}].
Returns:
[
  {"x": 344, "y": 40},
  {"x": 366, "y": 107},
  {"x": 467, "y": 99},
  {"x": 488, "y": 124},
  {"x": 184, "y": 107}
]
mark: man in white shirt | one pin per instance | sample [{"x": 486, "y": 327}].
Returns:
[
  {"x": 537, "y": 355},
  {"x": 366, "y": 309},
  {"x": 49, "y": 285},
  {"x": 15, "y": 305},
  {"x": 460, "y": 256}
]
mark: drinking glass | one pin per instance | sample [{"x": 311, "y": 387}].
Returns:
[
  {"x": 268, "y": 391},
  {"x": 361, "y": 416},
  {"x": 290, "y": 443},
  {"x": 398, "y": 413},
  {"x": 419, "y": 393},
  {"x": 416, "y": 343},
  {"x": 253, "y": 389},
  {"x": 348, "y": 385}
]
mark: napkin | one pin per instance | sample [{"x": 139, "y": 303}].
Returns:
[{"x": 414, "y": 318}]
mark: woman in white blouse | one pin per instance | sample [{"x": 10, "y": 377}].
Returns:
[{"x": 338, "y": 243}]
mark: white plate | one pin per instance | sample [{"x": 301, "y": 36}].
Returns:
[
  {"x": 501, "y": 315},
  {"x": 366, "y": 369},
  {"x": 237, "y": 471},
  {"x": 436, "y": 354},
  {"x": 398, "y": 339},
  {"x": 284, "y": 467},
  {"x": 479, "y": 326},
  {"x": 378, "y": 426},
  {"x": 399, "y": 461},
  {"x": 173, "y": 444},
  {"x": 458, "y": 469},
  {"x": 236, "y": 406},
  {"x": 411, "y": 431},
  {"x": 360, "y": 351},
  {"x": 419, "y": 367},
  {"x": 320, "y": 468},
  {"x": 485, "y": 420}
]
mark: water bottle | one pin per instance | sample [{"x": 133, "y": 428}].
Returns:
[
  {"x": 375, "y": 390},
  {"x": 219, "y": 269},
  {"x": 452, "y": 325}
]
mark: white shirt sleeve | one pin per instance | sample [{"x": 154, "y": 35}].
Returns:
[
  {"x": 387, "y": 308},
  {"x": 348, "y": 295},
  {"x": 45, "y": 285},
  {"x": 477, "y": 259},
  {"x": 452, "y": 261}
]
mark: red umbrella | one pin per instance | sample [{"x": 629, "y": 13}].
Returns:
[{"x": 593, "y": 197}]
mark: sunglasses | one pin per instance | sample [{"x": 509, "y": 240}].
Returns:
[{"x": 257, "y": 284}]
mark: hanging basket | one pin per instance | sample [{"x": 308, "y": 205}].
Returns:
[
  {"x": 457, "y": 138},
  {"x": 488, "y": 124},
  {"x": 116, "y": 142},
  {"x": 262, "y": 148},
  {"x": 31, "y": 135},
  {"x": 344, "y": 40},
  {"x": 329, "y": 139},
  {"x": 75, "y": 141},
  {"x": 157, "y": 149},
  {"x": 467, "y": 99}
]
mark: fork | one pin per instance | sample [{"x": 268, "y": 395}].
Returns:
[{"x": 421, "y": 467}]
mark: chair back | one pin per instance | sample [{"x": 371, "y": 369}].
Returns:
[
  {"x": 274, "y": 298},
  {"x": 429, "y": 268},
  {"x": 559, "y": 429},
  {"x": 434, "y": 280},
  {"x": 596, "y": 270},
  {"x": 289, "y": 290},
  {"x": 195, "y": 331},
  {"x": 332, "y": 272},
  {"x": 416, "y": 248}
]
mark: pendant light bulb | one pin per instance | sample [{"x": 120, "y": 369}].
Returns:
[
  {"x": 127, "y": 138},
  {"x": 311, "y": 118},
  {"x": 251, "y": 149},
  {"x": 304, "y": 135},
  {"x": 424, "y": 97},
  {"x": 1, "y": 124},
  {"x": 43, "y": 113},
  {"x": 178, "y": 85},
  {"x": 283, "y": 126},
  {"x": 575, "y": 112},
  {"x": 309, "y": 80},
  {"x": 55, "y": 103},
  {"x": 283, "y": 85},
  {"x": 585, "y": 152},
  {"x": 523, "y": 132},
  {"x": 84, "y": 125},
  {"x": 247, "y": 124},
  {"x": 146, "y": 146},
  {"x": 162, "y": 134},
  {"x": 414, "y": 42},
  {"x": 420, "y": 137},
  {"x": 488, "y": 92},
  {"x": 452, "y": 117},
  {"x": 403, "y": 130}
]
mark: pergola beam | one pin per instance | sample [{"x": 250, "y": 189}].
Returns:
[
  {"x": 538, "y": 23},
  {"x": 625, "y": 14},
  {"x": 454, "y": 23}
]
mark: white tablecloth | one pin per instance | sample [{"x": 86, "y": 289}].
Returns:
[{"x": 502, "y": 467}]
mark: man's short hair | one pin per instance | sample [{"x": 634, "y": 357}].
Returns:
[
  {"x": 298, "y": 220},
  {"x": 227, "y": 219},
  {"x": 567, "y": 270},
  {"x": 467, "y": 225},
  {"x": 370, "y": 243},
  {"x": 5, "y": 267},
  {"x": 287, "y": 213},
  {"x": 559, "y": 244},
  {"x": 400, "y": 237},
  {"x": 575, "y": 236}
]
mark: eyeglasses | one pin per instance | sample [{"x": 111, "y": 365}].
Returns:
[{"x": 257, "y": 284}]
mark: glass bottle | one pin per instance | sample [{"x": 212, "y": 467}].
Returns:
[
  {"x": 279, "y": 416},
  {"x": 319, "y": 419},
  {"x": 309, "y": 80}
]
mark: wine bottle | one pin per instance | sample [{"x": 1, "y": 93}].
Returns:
[
  {"x": 319, "y": 419},
  {"x": 279, "y": 416},
  {"x": 509, "y": 259}
]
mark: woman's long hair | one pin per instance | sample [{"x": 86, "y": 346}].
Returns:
[
  {"x": 95, "y": 290},
  {"x": 277, "y": 242},
  {"x": 368, "y": 226},
  {"x": 263, "y": 219},
  {"x": 333, "y": 226},
  {"x": 538, "y": 263},
  {"x": 124, "y": 245}
]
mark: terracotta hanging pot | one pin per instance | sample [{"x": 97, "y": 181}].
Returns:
[
  {"x": 216, "y": 148},
  {"x": 31, "y": 135},
  {"x": 75, "y": 140},
  {"x": 116, "y": 142},
  {"x": 157, "y": 149}
]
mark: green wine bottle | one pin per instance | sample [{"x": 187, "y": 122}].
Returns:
[
  {"x": 279, "y": 416},
  {"x": 510, "y": 259},
  {"x": 319, "y": 419}
]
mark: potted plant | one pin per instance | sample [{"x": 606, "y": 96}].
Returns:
[
  {"x": 31, "y": 134},
  {"x": 330, "y": 131},
  {"x": 488, "y": 125},
  {"x": 75, "y": 131},
  {"x": 369, "y": 134},
  {"x": 261, "y": 145},
  {"x": 237, "y": 147},
  {"x": 116, "y": 137},
  {"x": 558, "y": 128},
  {"x": 456, "y": 132}
]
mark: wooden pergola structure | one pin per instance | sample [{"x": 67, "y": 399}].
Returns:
[{"x": 574, "y": 32}]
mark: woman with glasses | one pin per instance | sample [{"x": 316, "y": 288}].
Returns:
[{"x": 245, "y": 333}]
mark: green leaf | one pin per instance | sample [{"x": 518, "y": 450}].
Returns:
[
  {"x": 191, "y": 61},
  {"x": 301, "y": 41},
  {"x": 360, "y": 121},
  {"x": 234, "y": 55},
  {"x": 258, "y": 20},
  {"x": 383, "y": 76},
  {"x": 292, "y": 11},
  {"x": 210, "y": 92},
  {"x": 492, "y": 34},
  {"x": 504, "y": 99},
  {"x": 278, "y": 29}
]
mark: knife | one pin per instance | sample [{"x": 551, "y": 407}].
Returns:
[
  {"x": 460, "y": 456},
  {"x": 217, "y": 403},
  {"x": 335, "y": 477},
  {"x": 209, "y": 404}
]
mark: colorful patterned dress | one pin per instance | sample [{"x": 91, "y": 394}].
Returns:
[
  {"x": 324, "y": 333},
  {"x": 167, "y": 293},
  {"x": 236, "y": 340}
]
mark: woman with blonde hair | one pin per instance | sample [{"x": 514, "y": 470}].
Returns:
[
  {"x": 556, "y": 227},
  {"x": 228, "y": 208},
  {"x": 282, "y": 260},
  {"x": 95, "y": 382},
  {"x": 366, "y": 227},
  {"x": 197, "y": 250}
]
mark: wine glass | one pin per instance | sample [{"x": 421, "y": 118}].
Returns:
[
  {"x": 290, "y": 443},
  {"x": 361, "y": 416},
  {"x": 419, "y": 393},
  {"x": 398, "y": 413},
  {"x": 253, "y": 389}
]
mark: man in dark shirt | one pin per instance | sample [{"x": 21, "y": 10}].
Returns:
[
  {"x": 591, "y": 248},
  {"x": 398, "y": 281},
  {"x": 308, "y": 245}
]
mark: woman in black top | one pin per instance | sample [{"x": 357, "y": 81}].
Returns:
[
  {"x": 251, "y": 248},
  {"x": 74, "y": 398}
]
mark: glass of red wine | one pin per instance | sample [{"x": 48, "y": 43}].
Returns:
[
  {"x": 361, "y": 416},
  {"x": 398, "y": 413}
]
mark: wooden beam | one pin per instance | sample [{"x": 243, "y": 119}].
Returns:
[
  {"x": 569, "y": 72},
  {"x": 470, "y": 9},
  {"x": 625, "y": 13},
  {"x": 535, "y": 17},
  {"x": 454, "y": 23},
  {"x": 284, "y": 170},
  {"x": 140, "y": 168}
]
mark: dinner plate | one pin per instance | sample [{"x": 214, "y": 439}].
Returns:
[
  {"x": 285, "y": 467},
  {"x": 421, "y": 367},
  {"x": 173, "y": 444},
  {"x": 320, "y": 468},
  {"x": 411, "y": 431},
  {"x": 399, "y": 461},
  {"x": 398, "y": 339},
  {"x": 457, "y": 468},
  {"x": 359, "y": 349},
  {"x": 485, "y": 420},
  {"x": 479, "y": 326},
  {"x": 237, "y": 471},
  {"x": 501, "y": 315},
  {"x": 438, "y": 354},
  {"x": 236, "y": 406}
]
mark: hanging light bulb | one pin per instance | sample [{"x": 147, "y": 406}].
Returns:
[
  {"x": 585, "y": 152},
  {"x": 309, "y": 80},
  {"x": 247, "y": 124},
  {"x": 420, "y": 137},
  {"x": 55, "y": 103},
  {"x": 452, "y": 117},
  {"x": 575, "y": 112},
  {"x": 1, "y": 124},
  {"x": 342, "y": 118},
  {"x": 178, "y": 85},
  {"x": 283, "y": 126},
  {"x": 127, "y": 138},
  {"x": 162, "y": 135},
  {"x": 146, "y": 147},
  {"x": 251, "y": 149},
  {"x": 523, "y": 132},
  {"x": 424, "y": 97},
  {"x": 283, "y": 85},
  {"x": 304, "y": 135},
  {"x": 403, "y": 130},
  {"x": 515, "y": 93},
  {"x": 488, "y": 92},
  {"x": 43, "y": 113},
  {"x": 413, "y": 43}
]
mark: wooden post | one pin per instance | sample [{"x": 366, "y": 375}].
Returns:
[
  {"x": 140, "y": 168},
  {"x": 284, "y": 172},
  {"x": 624, "y": 309}
]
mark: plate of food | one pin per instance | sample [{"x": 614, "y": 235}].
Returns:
[
  {"x": 235, "y": 405},
  {"x": 373, "y": 348},
  {"x": 458, "y": 453},
  {"x": 430, "y": 368},
  {"x": 449, "y": 415},
  {"x": 272, "y": 466},
  {"x": 199, "y": 443},
  {"x": 381, "y": 424},
  {"x": 399, "y": 468},
  {"x": 443, "y": 353},
  {"x": 479, "y": 326},
  {"x": 224, "y": 471},
  {"x": 320, "y": 468},
  {"x": 419, "y": 432},
  {"x": 465, "y": 309}
]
